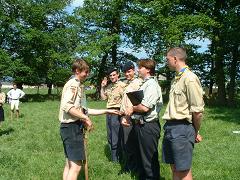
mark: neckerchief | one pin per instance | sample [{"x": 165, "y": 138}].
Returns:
[{"x": 181, "y": 72}]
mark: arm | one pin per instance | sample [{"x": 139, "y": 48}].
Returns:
[
  {"x": 2, "y": 100},
  {"x": 102, "y": 91},
  {"x": 9, "y": 94},
  {"x": 141, "y": 108},
  {"x": 22, "y": 94},
  {"x": 95, "y": 112},
  {"x": 197, "y": 118},
  {"x": 78, "y": 113},
  {"x": 196, "y": 105}
]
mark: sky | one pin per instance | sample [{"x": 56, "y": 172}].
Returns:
[
  {"x": 141, "y": 52},
  {"x": 75, "y": 3}
]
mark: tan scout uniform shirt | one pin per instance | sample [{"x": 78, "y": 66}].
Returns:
[
  {"x": 131, "y": 86},
  {"x": 2, "y": 98},
  {"x": 114, "y": 93},
  {"x": 72, "y": 96},
  {"x": 186, "y": 97}
]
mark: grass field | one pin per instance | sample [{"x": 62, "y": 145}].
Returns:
[{"x": 30, "y": 148}]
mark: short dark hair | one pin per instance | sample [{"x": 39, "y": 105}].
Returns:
[
  {"x": 80, "y": 64},
  {"x": 148, "y": 64},
  {"x": 178, "y": 52}
]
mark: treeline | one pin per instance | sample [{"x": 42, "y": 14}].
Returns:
[{"x": 39, "y": 39}]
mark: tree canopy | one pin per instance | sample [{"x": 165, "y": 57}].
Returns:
[{"x": 39, "y": 39}]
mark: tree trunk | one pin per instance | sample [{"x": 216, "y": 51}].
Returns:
[
  {"x": 49, "y": 85},
  {"x": 220, "y": 80},
  {"x": 115, "y": 31},
  {"x": 233, "y": 74},
  {"x": 211, "y": 79},
  {"x": 219, "y": 56},
  {"x": 101, "y": 74},
  {"x": 115, "y": 28}
]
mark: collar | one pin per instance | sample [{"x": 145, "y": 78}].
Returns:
[
  {"x": 181, "y": 72},
  {"x": 147, "y": 78}
]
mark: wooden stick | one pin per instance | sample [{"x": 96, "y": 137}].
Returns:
[{"x": 85, "y": 151}]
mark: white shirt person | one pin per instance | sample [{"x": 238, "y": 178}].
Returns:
[{"x": 15, "y": 94}]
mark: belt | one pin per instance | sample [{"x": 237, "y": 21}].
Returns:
[
  {"x": 178, "y": 121},
  {"x": 15, "y": 99},
  {"x": 136, "y": 121},
  {"x": 117, "y": 108}
]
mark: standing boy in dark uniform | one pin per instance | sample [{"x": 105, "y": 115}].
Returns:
[
  {"x": 129, "y": 144},
  {"x": 147, "y": 125},
  {"x": 113, "y": 92}
]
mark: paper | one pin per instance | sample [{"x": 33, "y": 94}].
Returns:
[{"x": 135, "y": 97}]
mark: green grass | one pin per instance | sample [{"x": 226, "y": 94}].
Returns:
[{"x": 30, "y": 148}]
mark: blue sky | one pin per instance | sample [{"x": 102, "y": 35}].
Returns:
[{"x": 75, "y": 3}]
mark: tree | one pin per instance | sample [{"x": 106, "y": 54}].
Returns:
[{"x": 39, "y": 39}]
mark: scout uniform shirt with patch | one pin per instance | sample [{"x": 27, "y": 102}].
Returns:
[
  {"x": 114, "y": 93},
  {"x": 185, "y": 97},
  {"x": 132, "y": 85},
  {"x": 72, "y": 96}
]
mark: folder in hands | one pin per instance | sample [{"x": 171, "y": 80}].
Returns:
[{"x": 135, "y": 97}]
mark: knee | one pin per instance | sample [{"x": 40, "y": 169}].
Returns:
[{"x": 75, "y": 167}]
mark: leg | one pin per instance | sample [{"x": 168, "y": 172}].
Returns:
[
  {"x": 12, "y": 113},
  {"x": 17, "y": 108},
  {"x": 66, "y": 170},
  {"x": 148, "y": 137},
  {"x": 181, "y": 175},
  {"x": 17, "y": 113},
  {"x": 12, "y": 109},
  {"x": 116, "y": 137},
  {"x": 73, "y": 168}
]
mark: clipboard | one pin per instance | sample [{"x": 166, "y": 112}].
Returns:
[{"x": 135, "y": 97}]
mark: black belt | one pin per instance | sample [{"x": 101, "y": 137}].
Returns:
[
  {"x": 117, "y": 108},
  {"x": 78, "y": 122},
  {"x": 178, "y": 121},
  {"x": 15, "y": 99},
  {"x": 137, "y": 121}
]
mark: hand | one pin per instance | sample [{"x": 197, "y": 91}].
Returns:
[
  {"x": 129, "y": 111},
  {"x": 88, "y": 124},
  {"x": 125, "y": 122},
  {"x": 114, "y": 111},
  {"x": 104, "y": 82},
  {"x": 198, "y": 138}
]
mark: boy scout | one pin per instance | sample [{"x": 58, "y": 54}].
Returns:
[
  {"x": 147, "y": 126},
  {"x": 183, "y": 116},
  {"x": 113, "y": 92},
  {"x": 73, "y": 117},
  {"x": 129, "y": 136}
]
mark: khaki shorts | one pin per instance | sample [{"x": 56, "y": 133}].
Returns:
[
  {"x": 14, "y": 104},
  {"x": 178, "y": 144},
  {"x": 72, "y": 137}
]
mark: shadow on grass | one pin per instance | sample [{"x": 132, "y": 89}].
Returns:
[
  {"x": 6, "y": 132},
  {"x": 225, "y": 114},
  {"x": 39, "y": 97},
  {"x": 107, "y": 152}
]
